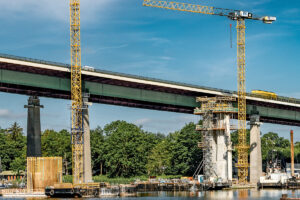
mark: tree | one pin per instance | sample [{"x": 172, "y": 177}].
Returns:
[
  {"x": 3, "y": 151},
  {"x": 18, "y": 164},
  {"x": 15, "y": 131},
  {"x": 186, "y": 155},
  {"x": 12, "y": 146},
  {"x": 273, "y": 145},
  {"x": 125, "y": 148},
  {"x": 57, "y": 144},
  {"x": 159, "y": 159},
  {"x": 98, "y": 150}
]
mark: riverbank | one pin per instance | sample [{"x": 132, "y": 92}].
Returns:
[{"x": 122, "y": 180}]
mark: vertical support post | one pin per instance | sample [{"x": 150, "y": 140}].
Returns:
[
  {"x": 242, "y": 147},
  {"x": 221, "y": 149},
  {"x": 229, "y": 147},
  {"x": 292, "y": 154},
  {"x": 33, "y": 127},
  {"x": 87, "y": 144},
  {"x": 255, "y": 149}
]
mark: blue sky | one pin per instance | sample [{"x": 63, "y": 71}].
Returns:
[{"x": 123, "y": 36}]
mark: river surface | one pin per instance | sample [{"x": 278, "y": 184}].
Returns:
[{"x": 252, "y": 194}]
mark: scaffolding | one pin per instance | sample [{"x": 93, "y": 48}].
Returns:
[{"x": 215, "y": 128}]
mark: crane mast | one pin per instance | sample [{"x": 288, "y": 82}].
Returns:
[
  {"x": 242, "y": 147},
  {"x": 76, "y": 93},
  {"x": 240, "y": 17}
]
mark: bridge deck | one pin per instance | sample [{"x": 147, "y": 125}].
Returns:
[{"x": 49, "y": 79}]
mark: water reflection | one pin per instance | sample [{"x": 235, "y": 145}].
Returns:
[
  {"x": 224, "y": 194},
  {"x": 252, "y": 194}
]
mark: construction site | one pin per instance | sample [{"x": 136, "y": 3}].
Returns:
[{"x": 221, "y": 112}]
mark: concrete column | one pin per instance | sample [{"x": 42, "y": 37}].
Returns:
[
  {"x": 255, "y": 149},
  {"x": 229, "y": 147},
  {"x": 221, "y": 156},
  {"x": 34, "y": 127},
  {"x": 213, "y": 152},
  {"x": 87, "y": 166}
]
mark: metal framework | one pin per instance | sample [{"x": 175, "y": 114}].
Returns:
[
  {"x": 76, "y": 93},
  {"x": 240, "y": 17},
  {"x": 242, "y": 147}
]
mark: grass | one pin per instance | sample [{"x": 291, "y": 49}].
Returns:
[
  {"x": 118, "y": 180},
  {"x": 121, "y": 180},
  {"x": 67, "y": 179}
]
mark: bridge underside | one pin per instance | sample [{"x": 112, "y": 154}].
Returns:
[{"x": 28, "y": 80}]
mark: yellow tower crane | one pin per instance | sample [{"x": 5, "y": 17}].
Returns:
[
  {"x": 76, "y": 93},
  {"x": 240, "y": 17}
]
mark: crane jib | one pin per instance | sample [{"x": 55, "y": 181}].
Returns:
[{"x": 209, "y": 10}]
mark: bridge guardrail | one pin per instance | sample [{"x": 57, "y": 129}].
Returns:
[
  {"x": 34, "y": 60},
  {"x": 278, "y": 98}
]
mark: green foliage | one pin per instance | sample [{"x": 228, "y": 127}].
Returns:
[
  {"x": 118, "y": 180},
  {"x": 184, "y": 150},
  {"x": 57, "y": 144},
  {"x": 18, "y": 164},
  {"x": 126, "y": 148},
  {"x": 98, "y": 150},
  {"x": 274, "y": 146},
  {"x": 122, "y": 180},
  {"x": 159, "y": 159},
  {"x": 122, "y": 152},
  {"x": 67, "y": 179},
  {"x": 12, "y": 146},
  {"x": 14, "y": 132}
]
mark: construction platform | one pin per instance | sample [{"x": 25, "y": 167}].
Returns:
[
  {"x": 22, "y": 193},
  {"x": 68, "y": 190}
]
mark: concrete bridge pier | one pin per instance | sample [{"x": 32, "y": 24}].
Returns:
[
  {"x": 34, "y": 127},
  {"x": 87, "y": 166},
  {"x": 255, "y": 149}
]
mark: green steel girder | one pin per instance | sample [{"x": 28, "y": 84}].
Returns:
[
  {"x": 56, "y": 83},
  {"x": 100, "y": 89}
]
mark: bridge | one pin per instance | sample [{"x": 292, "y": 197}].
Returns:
[{"x": 33, "y": 77}]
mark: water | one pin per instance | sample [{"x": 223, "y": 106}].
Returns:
[{"x": 253, "y": 194}]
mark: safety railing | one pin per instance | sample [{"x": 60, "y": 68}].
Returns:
[
  {"x": 216, "y": 127},
  {"x": 217, "y": 109},
  {"x": 278, "y": 98}
]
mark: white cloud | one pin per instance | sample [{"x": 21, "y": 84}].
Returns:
[
  {"x": 291, "y": 11},
  {"x": 167, "y": 125},
  {"x": 261, "y": 36},
  {"x": 166, "y": 58},
  {"x": 93, "y": 50},
  {"x": 54, "y": 9},
  {"x": 7, "y": 114}
]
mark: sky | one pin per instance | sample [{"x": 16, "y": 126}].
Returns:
[{"x": 123, "y": 36}]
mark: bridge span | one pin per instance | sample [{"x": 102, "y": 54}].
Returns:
[{"x": 33, "y": 77}]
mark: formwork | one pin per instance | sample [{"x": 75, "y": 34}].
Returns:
[
  {"x": 42, "y": 172},
  {"x": 216, "y": 140}
]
